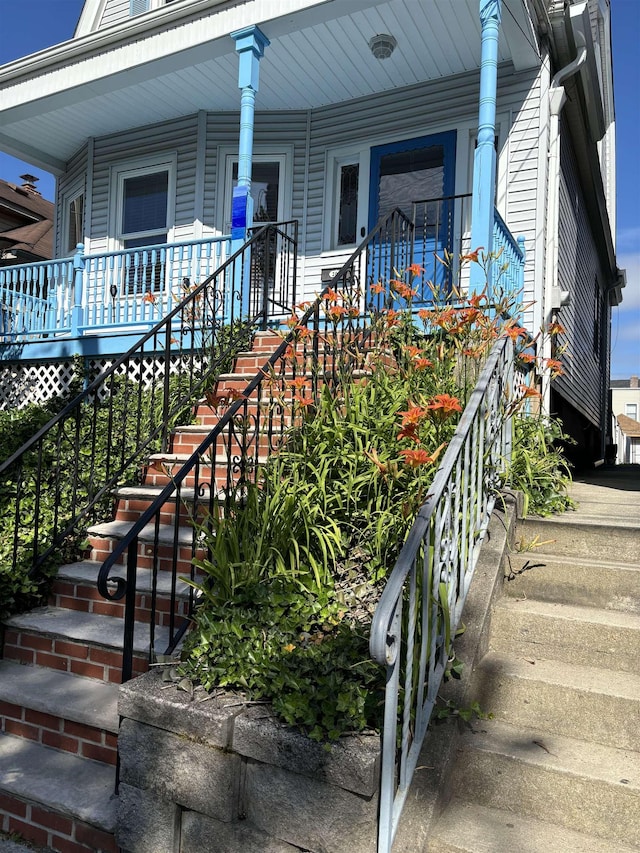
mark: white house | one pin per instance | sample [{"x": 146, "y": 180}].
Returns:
[
  {"x": 625, "y": 407},
  {"x": 349, "y": 109}
]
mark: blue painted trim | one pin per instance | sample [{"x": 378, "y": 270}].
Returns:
[
  {"x": 64, "y": 348},
  {"x": 447, "y": 139},
  {"x": 484, "y": 161}
]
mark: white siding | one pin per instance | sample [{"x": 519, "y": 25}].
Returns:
[
  {"x": 179, "y": 137},
  {"x": 76, "y": 175},
  {"x": 115, "y": 12},
  {"x": 580, "y": 272}
]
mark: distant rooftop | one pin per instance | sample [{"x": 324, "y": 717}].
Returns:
[{"x": 632, "y": 382}]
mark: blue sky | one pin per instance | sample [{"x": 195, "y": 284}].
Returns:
[{"x": 30, "y": 25}]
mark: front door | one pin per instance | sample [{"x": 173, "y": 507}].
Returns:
[{"x": 418, "y": 176}]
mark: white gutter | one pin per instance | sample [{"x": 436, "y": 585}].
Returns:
[{"x": 554, "y": 298}]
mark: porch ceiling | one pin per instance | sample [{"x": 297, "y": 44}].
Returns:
[{"x": 183, "y": 60}]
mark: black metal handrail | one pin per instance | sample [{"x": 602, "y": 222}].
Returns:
[
  {"x": 322, "y": 345},
  {"x": 59, "y": 478}
]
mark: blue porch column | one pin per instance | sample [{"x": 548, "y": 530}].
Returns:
[
  {"x": 250, "y": 45},
  {"x": 484, "y": 162}
]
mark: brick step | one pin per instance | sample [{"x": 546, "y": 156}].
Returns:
[
  {"x": 164, "y": 466},
  {"x": 580, "y": 785},
  {"x": 59, "y": 710},
  {"x": 87, "y": 644},
  {"x": 277, "y": 412},
  {"x": 186, "y": 440},
  {"x": 104, "y": 537},
  {"x": 56, "y": 800},
  {"x": 75, "y": 588},
  {"x": 575, "y": 580}
]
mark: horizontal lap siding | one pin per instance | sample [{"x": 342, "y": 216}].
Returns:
[
  {"x": 75, "y": 175},
  {"x": 179, "y": 136},
  {"x": 415, "y": 111},
  {"x": 579, "y": 272},
  {"x": 115, "y": 12}
]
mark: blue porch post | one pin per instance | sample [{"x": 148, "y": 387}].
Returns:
[
  {"x": 250, "y": 45},
  {"x": 76, "y": 294},
  {"x": 484, "y": 162}
]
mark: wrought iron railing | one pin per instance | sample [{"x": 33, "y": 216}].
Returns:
[
  {"x": 63, "y": 477},
  {"x": 322, "y": 347},
  {"x": 421, "y": 604}
]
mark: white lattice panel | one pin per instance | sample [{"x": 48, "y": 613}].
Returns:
[{"x": 24, "y": 383}]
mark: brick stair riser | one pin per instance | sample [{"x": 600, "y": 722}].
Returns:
[
  {"x": 58, "y": 733},
  {"x": 130, "y": 510},
  {"x": 35, "y": 649},
  {"x": 51, "y": 829},
  {"x": 267, "y": 440},
  {"x": 161, "y": 557},
  {"x": 588, "y": 805},
  {"x": 161, "y": 473},
  {"x": 562, "y": 709},
  {"x": 567, "y": 582},
  {"x": 85, "y": 598},
  {"x": 581, "y": 540},
  {"x": 270, "y": 416}
]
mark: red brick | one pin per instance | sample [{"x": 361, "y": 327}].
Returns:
[
  {"x": 17, "y": 654},
  {"x": 106, "y": 656},
  {"x": 13, "y": 727},
  {"x": 51, "y": 661},
  {"x": 107, "y": 608},
  {"x": 33, "y": 641},
  {"x": 66, "y": 845},
  {"x": 71, "y": 603},
  {"x": 72, "y": 650},
  {"x": 59, "y": 741},
  {"x": 98, "y": 753},
  {"x": 27, "y": 831},
  {"x": 51, "y": 820},
  {"x": 90, "y": 670},
  {"x": 64, "y": 588},
  {"x": 96, "y": 839},
  {"x": 11, "y": 637},
  {"x": 13, "y": 806},
  {"x": 111, "y": 740},
  {"x": 48, "y": 721},
  {"x": 83, "y": 732},
  {"x": 7, "y": 709}
]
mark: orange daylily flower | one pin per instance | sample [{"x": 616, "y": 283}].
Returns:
[
  {"x": 527, "y": 357},
  {"x": 472, "y": 256},
  {"x": 422, "y": 363},
  {"x": 378, "y": 287},
  {"x": 150, "y": 297},
  {"x": 556, "y": 329},
  {"x": 425, "y": 314},
  {"x": 413, "y": 415},
  {"x": 515, "y": 332},
  {"x": 409, "y": 431},
  {"x": 336, "y": 312},
  {"x": 529, "y": 391},
  {"x": 554, "y": 366},
  {"x": 299, "y": 383},
  {"x": 415, "y": 458},
  {"x": 444, "y": 406},
  {"x": 414, "y": 269},
  {"x": 292, "y": 321}
]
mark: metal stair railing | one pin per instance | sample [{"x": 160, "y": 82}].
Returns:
[
  {"x": 421, "y": 604},
  {"x": 321, "y": 347},
  {"x": 62, "y": 478}
]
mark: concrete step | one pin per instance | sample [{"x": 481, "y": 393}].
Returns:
[
  {"x": 555, "y": 697},
  {"x": 582, "y": 786},
  {"x": 575, "y": 580},
  {"x": 589, "y": 537},
  {"x": 471, "y": 828},
  {"x": 60, "y": 710},
  {"x": 87, "y": 644},
  {"x": 570, "y": 633},
  {"x": 55, "y": 799},
  {"x": 104, "y": 537},
  {"x": 75, "y": 588}
]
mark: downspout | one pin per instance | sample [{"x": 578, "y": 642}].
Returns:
[{"x": 554, "y": 299}]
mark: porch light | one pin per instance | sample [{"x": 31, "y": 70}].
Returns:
[{"x": 382, "y": 45}]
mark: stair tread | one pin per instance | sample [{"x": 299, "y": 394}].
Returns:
[
  {"x": 575, "y": 518},
  {"x": 522, "y": 557},
  {"x": 61, "y": 694},
  {"x": 74, "y": 786},
  {"x": 472, "y": 828},
  {"x": 585, "y": 678},
  {"x": 93, "y": 628},
  {"x": 119, "y": 529},
  {"x": 572, "y": 612},
  {"x": 579, "y": 758},
  {"x": 87, "y": 571}
]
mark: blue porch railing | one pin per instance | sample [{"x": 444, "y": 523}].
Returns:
[
  {"x": 123, "y": 290},
  {"x": 507, "y": 270}
]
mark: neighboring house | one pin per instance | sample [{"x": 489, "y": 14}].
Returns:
[
  {"x": 625, "y": 406},
  {"x": 349, "y": 109},
  {"x": 26, "y": 223}
]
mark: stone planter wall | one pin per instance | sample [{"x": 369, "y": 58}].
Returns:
[{"x": 218, "y": 775}]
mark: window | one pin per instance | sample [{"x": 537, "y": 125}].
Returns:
[
  {"x": 142, "y": 216},
  {"x": 347, "y": 212},
  {"x": 265, "y": 189},
  {"x": 345, "y": 200},
  {"x": 72, "y": 221},
  {"x": 631, "y": 410}
]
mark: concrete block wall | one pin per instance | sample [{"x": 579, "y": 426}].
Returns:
[{"x": 193, "y": 771}]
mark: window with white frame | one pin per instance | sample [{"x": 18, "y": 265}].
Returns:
[
  {"x": 631, "y": 410},
  {"x": 72, "y": 221},
  {"x": 346, "y": 200},
  {"x": 143, "y": 217}
]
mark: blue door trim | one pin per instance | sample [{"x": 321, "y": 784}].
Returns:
[{"x": 447, "y": 139}]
